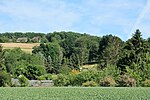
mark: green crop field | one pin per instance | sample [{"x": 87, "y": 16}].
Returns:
[{"x": 74, "y": 93}]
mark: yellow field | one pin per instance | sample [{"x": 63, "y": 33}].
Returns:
[
  {"x": 89, "y": 66},
  {"x": 27, "y": 47}
]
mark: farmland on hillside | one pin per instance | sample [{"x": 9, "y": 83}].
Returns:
[
  {"x": 27, "y": 47},
  {"x": 75, "y": 93}
]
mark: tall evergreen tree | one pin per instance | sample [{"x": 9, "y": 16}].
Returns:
[
  {"x": 109, "y": 50},
  {"x": 133, "y": 50}
]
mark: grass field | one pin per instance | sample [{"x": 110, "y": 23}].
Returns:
[
  {"x": 27, "y": 47},
  {"x": 74, "y": 93}
]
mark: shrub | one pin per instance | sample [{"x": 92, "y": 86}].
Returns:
[
  {"x": 146, "y": 83},
  {"x": 35, "y": 70},
  {"x": 111, "y": 70},
  {"x": 89, "y": 84},
  {"x": 23, "y": 81},
  {"x": 41, "y": 77},
  {"x": 84, "y": 77},
  {"x": 72, "y": 78},
  {"x": 30, "y": 71},
  {"x": 48, "y": 76},
  {"x": 108, "y": 81},
  {"x": 54, "y": 76},
  {"x": 65, "y": 70},
  {"x": 127, "y": 81},
  {"x": 62, "y": 80},
  {"x": 5, "y": 79},
  {"x": 45, "y": 77}
]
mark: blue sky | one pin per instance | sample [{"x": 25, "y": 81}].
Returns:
[{"x": 95, "y": 17}]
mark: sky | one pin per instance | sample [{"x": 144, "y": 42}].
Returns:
[{"x": 96, "y": 17}]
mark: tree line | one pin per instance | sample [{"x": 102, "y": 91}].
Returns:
[
  {"x": 13, "y": 36},
  {"x": 62, "y": 55}
]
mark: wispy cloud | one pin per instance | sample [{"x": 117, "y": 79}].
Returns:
[
  {"x": 97, "y": 17},
  {"x": 143, "y": 18},
  {"x": 115, "y": 16},
  {"x": 36, "y": 16}
]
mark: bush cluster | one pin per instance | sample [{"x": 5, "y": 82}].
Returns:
[
  {"x": 89, "y": 84},
  {"x": 5, "y": 79},
  {"x": 127, "y": 81},
  {"x": 146, "y": 83},
  {"x": 108, "y": 81},
  {"x": 23, "y": 81}
]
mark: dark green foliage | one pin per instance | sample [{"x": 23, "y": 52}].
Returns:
[
  {"x": 63, "y": 54},
  {"x": 1, "y": 48},
  {"x": 44, "y": 39},
  {"x": 4, "y": 39},
  {"x": 65, "y": 70},
  {"x": 12, "y": 57},
  {"x": 5, "y": 79},
  {"x": 30, "y": 71},
  {"x": 136, "y": 59},
  {"x": 13, "y": 37},
  {"x": 77, "y": 48},
  {"x": 53, "y": 56},
  {"x": 140, "y": 74},
  {"x": 16, "y": 57},
  {"x": 109, "y": 50},
  {"x": 35, "y": 70},
  {"x": 62, "y": 80},
  {"x": 86, "y": 47},
  {"x": 133, "y": 51},
  {"x": 2, "y": 59}
]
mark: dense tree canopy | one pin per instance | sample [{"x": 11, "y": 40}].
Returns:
[
  {"x": 117, "y": 62},
  {"x": 109, "y": 50},
  {"x": 13, "y": 37}
]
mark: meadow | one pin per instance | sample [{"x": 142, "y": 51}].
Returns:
[{"x": 74, "y": 93}]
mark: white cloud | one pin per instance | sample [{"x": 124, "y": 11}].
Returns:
[
  {"x": 97, "y": 17},
  {"x": 143, "y": 18},
  {"x": 105, "y": 14},
  {"x": 54, "y": 14}
]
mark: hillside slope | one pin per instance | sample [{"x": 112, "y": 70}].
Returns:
[{"x": 27, "y": 47}]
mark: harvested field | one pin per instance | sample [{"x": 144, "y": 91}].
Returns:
[{"x": 27, "y": 47}]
